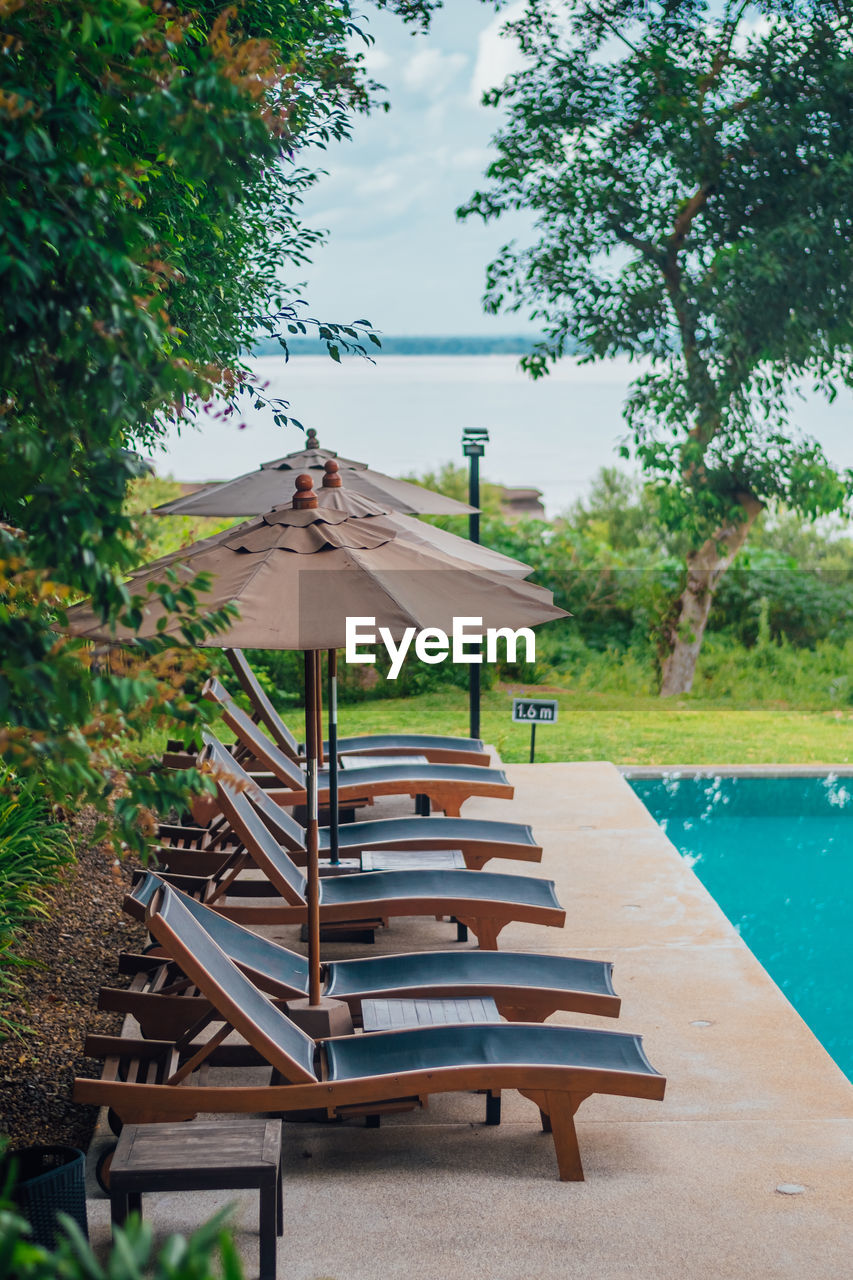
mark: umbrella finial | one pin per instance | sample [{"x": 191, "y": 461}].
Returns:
[
  {"x": 311, "y": 441},
  {"x": 304, "y": 499},
  {"x": 332, "y": 479}
]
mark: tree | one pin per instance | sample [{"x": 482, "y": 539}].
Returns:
[
  {"x": 690, "y": 170},
  {"x": 149, "y": 229}
]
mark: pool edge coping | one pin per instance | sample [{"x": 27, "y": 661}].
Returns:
[{"x": 736, "y": 770}]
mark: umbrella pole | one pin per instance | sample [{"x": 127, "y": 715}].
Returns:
[
  {"x": 332, "y": 698},
  {"x": 313, "y": 832},
  {"x": 319, "y": 1016},
  {"x": 318, "y": 684}
]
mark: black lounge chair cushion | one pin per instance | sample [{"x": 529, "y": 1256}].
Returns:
[
  {"x": 220, "y": 972},
  {"x": 245, "y": 948},
  {"x": 512, "y": 969},
  {"x": 373, "y": 975},
  {"x": 371, "y": 777},
  {"x": 385, "y": 886},
  {"x": 379, "y": 831},
  {"x": 262, "y": 702},
  {"x": 484, "y": 1045},
  {"x": 404, "y": 741},
  {"x": 291, "y": 774},
  {"x": 364, "y": 835},
  {"x": 392, "y": 1052},
  {"x": 473, "y": 886}
]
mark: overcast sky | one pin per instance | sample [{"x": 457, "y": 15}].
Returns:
[{"x": 396, "y": 254}]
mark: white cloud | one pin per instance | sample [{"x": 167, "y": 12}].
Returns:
[
  {"x": 475, "y": 158},
  {"x": 378, "y": 183},
  {"x": 376, "y": 60},
  {"x": 430, "y": 71},
  {"x": 497, "y": 56}
]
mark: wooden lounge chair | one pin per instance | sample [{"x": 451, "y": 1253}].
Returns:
[
  {"x": 479, "y": 838},
  {"x": 526, "y": 987},
  {"x": 484, "y": 901},
  {"x": 447, "y": 786},
  {"x": 437, "y": 749},
  {"x": 556, "y": 1067}
]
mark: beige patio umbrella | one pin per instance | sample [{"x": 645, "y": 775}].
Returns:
[
  {"x": 336, "y": 493},
  {"x": 272, "y": 484},
  {"x": 333, "y": 495},
  {"x": 296, "y": 574}
]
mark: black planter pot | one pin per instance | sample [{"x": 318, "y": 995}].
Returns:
[{"x": 49, "y": 1180}]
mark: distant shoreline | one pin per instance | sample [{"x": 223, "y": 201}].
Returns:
[{"x": 408, "y": 346}]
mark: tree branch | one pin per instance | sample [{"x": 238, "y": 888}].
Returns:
[
  {"x": 721, "y": 57},
  {"x": 645, "y": 247},
  {"x": 685, "y": 218}
]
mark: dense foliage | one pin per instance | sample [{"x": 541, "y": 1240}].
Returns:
[
  {"x": 149, "y": 229},
  {"x": 33, "y": 848},
  {"x": 689, "y": 167},
  {"x": 206, "y": 1254},
  {"x": 613, "y": 562}
]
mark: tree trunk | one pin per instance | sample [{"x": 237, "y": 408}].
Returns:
[{"x": 705, "y": 568}]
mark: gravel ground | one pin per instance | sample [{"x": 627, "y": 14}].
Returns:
[{"x": 74, "y": 953}]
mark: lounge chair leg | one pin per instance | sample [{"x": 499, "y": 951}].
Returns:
[
  {"x": 268, "y": 1220},
  {"x": 486, "y": 932},
  {"x": 119, "y": 1209},
  {"x": 561, "y": 1109}
]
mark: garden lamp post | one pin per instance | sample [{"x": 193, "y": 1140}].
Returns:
[{"x": 474, "y": 441}]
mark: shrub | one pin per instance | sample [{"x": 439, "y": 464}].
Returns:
[
  {"x": 207, "y": 1253},
  {"x": 33, "y": 848}
]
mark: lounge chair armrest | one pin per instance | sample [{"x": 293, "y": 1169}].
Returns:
[
  {"x": 130, "y": 962},
  {"x": 180, "y": 829}
]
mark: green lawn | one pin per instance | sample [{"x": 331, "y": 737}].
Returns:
[{"x": 624, "y": 729}]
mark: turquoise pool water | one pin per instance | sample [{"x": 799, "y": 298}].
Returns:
[{"x": 777, "y": 855}]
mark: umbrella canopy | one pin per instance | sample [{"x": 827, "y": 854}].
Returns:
[
  {"x": 272, "y": 484},
  {"x": 297, "y": 575},
  {"x": 336, "y": 495}
]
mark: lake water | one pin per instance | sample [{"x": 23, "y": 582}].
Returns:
[{"x": 406, "y": 414}]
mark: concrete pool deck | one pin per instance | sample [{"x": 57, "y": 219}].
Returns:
[{"x": 745, "y": 1170}]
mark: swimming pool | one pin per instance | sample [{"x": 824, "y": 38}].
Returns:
[{"x": 777, "y": 855}]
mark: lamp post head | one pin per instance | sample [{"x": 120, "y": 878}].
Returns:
[{"x": 474, "y": 441}]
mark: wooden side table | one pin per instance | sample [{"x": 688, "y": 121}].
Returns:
[
  {"x": 399, "y": 1015},
  {"x": 378, "y": 762},
  {"x": 412, "y": 860},
  {"x": 417, "y": 860},
  {"x": 208, "y": 1156}
]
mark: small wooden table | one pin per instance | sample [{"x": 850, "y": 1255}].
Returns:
[
  {"x": 417, "y": 860},
  {"x": 378, "y": 762},
  {"x": 400, "y": 1015},
  {"x": 202, "y": 1156},
  {"x": 412, "y": 860}
]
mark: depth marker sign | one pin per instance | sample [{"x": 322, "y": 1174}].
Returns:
[{"x": 534, "y": 711}]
